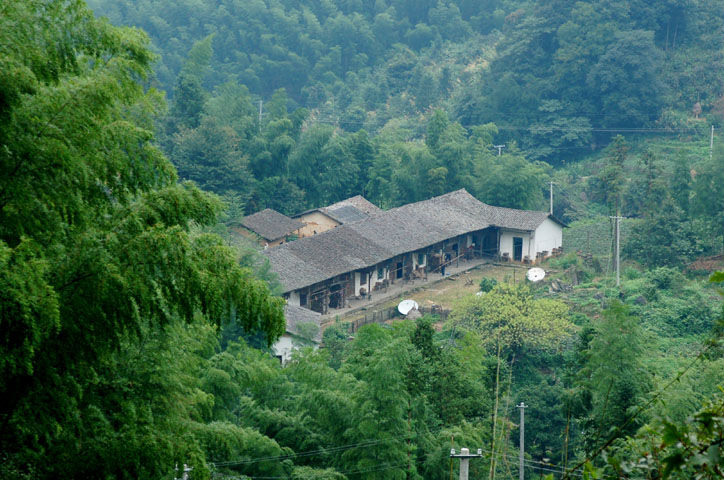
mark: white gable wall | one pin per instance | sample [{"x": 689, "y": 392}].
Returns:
[
  {"x": 548, "y": 235},
  {"x": 287, "y": 344}
]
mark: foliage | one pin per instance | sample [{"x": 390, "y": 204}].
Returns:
[
  {"x": 97, "y": 247},
  {"x": 509, "y": 314},
  {"x": 614, "y": 376},
  {"x": 487, "y": 284}
]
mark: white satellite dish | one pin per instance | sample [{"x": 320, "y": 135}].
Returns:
[
  {"x": 406, "y": 305},
  {"x": 536, "y": 274}
]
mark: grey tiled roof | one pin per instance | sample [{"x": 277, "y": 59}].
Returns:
[
  {"x": 345, "y": 213},
  {"x": 296, "y": 316},
  {"x": 270, "y": 224},
  {"x": 361, "y": 204},
  {"x": 350, "y": 210},
  {"x": 379, "y": 237}
]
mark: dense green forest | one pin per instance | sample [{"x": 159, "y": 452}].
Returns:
[{"x": 135, "y": 334}]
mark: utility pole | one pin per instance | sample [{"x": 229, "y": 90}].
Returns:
[
  {"x": 521, "y": 454},
  {"x": 551, "y": 197},
  {"x": 500, "y": 149},
  {"x": 465, "y": 457},
  {"x": 711, "y": 144},
  {"x": 617, "y": 228},
  {"x": 261, "y": 103}
]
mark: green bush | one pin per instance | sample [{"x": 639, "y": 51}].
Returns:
[{"x": 487, "y": 284}]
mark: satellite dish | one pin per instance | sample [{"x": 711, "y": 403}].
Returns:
[
  {"x": 406, "y": 305},
  {"x": 536, "y": 274}
]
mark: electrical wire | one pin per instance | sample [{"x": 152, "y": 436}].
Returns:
[
  {"x": 321, "y": 451},
  {"x": 533, "y": 464},
  {"x": 638, "y": 411}
]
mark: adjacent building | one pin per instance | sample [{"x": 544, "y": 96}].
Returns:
[
  {"x": 352, "y": 259},
  {"x": 303, "y": 330},
  {"x": 320, "y": 220},
  {"x": 269, "y": 228}
]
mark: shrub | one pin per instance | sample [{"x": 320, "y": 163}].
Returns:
[{"x": 487, "y": 284}]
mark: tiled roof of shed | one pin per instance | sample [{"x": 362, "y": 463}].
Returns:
[
  {"x": 360, "y": 203},
  {"x": 296, "y": 316},
  {"x": 345, "y": 213},
  {"x": 350, "y": 210},
  {"x": 411, "y": 227},
  {"x": 270, "y": 224}
]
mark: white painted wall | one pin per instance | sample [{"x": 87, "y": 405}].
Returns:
[
  {"x": 385, "y": 276},
  {"x": 506, "y": 243},
  {"x": 293, "y": 298},
  {"x": 548, "y": 235},
  {"x": 287, "y": 344},
  {"x": 283, "y": 348},
  {"x": 415, "y": 264},
  {"x": 360, "y": 281}
]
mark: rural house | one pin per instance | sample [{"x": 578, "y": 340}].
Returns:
[
  {"x": 324, "y": 271},
  {"x": 320, "y": 220},
  {"x": 303, "y": 330},
  {"x": 269, "y": 227}
]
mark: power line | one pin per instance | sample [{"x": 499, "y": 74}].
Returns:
[
  {"x": 321, "y": 451},
  {"x": 638, "y": 411},
  {"x": 534, "y": 464}
]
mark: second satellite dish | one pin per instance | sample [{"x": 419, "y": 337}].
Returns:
[
  {"x": 536, "y": 274},
  {"x": 406, "y": 305}
]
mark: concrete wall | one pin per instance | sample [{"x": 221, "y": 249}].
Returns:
[
  {"x": 293, "y": 298},
  {"x": 285, "y": 346},
  {"x": 360, "y": 281},
  {"x": 548, "y": 235},
  {"x": 375, "y": 277},
  {"x": 315, "y": 222},
  {"x": 506, "y": 243},
  {"x": 415, "y": 264}
]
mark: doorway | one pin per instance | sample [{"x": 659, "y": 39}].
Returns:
[{"x": 517, "y": 249}]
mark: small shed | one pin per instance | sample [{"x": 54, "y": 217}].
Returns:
[
  {"x": 303, "y": 330},
  {"x": 269, "y": 227},
  {"x": 350, "y": 210}
]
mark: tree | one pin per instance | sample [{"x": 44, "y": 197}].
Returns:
[
  {"x": 663, "y": 238},
  {"x": 510, "y": 181},
  {"x": 614, "y": 374},
  {"x": 626, "y": 79},
  {"x": 510, "y": 315},
  {"x": 610, "y": 181},
  {"x": 96, "y": 239},
  {"x": 707, "y": 200}
]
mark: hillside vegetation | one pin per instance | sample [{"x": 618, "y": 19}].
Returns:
[{"x": 135, "y": 334}]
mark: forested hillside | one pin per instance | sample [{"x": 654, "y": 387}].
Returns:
[{"x": 135, "y": 332}]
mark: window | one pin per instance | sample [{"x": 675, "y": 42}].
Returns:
[
  {"x": 380, "y": 273},
  {"x": 421, "y": 259},
  {"x": 302, "y": 299},
  {"x": 362, "y": 278}
]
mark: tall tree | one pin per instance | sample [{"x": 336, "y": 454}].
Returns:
[
  {"x": 96, "y": 241},
  {"x": 615, "y": 375}
]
